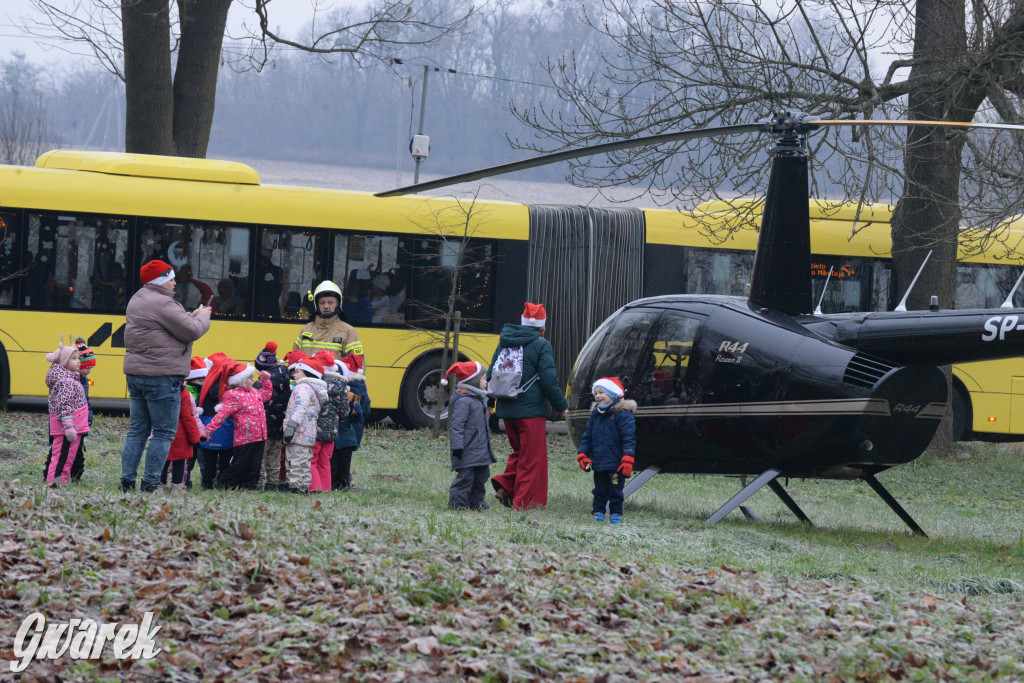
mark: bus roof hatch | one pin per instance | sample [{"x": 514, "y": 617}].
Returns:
[{"x": 150, "y": 166}]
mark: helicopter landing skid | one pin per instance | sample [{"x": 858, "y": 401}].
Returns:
[
  {"x": 766, "y": 478},
  {"x": 892, "y": 503},
  {"x": 639, "y": 480}
]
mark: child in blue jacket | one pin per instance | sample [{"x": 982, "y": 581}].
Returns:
[
  {"x": 350, "y": 431},
  {"x": 608, "y": 446}
]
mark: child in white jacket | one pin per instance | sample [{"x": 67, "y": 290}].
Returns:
[{"x": 300, "y": 420}]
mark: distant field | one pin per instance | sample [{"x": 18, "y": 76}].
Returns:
[
  {"x": 506, "y": 188},
  {"x": 384, "y": 582}
]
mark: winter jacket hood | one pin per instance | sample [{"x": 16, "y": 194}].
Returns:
[{"x": 518, "y": 335}]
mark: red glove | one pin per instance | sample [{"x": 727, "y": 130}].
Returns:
[
  {"x": 584, "y": 462},
  {"x": 626, "y": 468}
]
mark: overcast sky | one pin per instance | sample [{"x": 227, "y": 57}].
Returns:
[{"x": 290, "y": 15}]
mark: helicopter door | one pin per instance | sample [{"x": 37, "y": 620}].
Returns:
[{"x": 668, "y": 360}]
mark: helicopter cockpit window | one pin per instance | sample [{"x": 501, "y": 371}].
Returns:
[
  {"x": 625, "y": 344},
  {"x": 662, "y": 377}
]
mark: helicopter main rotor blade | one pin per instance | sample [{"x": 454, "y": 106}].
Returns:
[
  {"x": 546, "y": 159},
  {"x": 801, "y": 126},
  {"x": 884, "y": 122}
]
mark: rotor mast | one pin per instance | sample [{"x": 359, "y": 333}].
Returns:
[{"x": 781, "y": 277}]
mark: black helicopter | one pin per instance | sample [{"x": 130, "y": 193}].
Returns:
[{"x": 765, "y": 386}]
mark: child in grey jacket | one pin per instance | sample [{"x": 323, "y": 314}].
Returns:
[{"x": 469, "y": 437}]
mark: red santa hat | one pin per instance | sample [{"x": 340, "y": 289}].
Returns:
[
  {"x": 326, "y": 359},
  {"x": 200, "y": 367},
  {"x": 156, "y": 272},
  {"x": 297, "y": 360},
  {"x": 534, "y": 315},
  {"x": 465, "y": 371},
  {"x": 351, "y": 367},
  {"x": 239, "y": 373},
  {"x": 216, "y": 378},
  {"x": 611, "y": 386}
]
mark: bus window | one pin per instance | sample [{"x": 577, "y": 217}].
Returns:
[
  {"x": 9, "y": 263},
  {"x": 980, "y": 285},
  {"x": 430, "y": 267},
  {"x": 365, "y": 266},
  {"x": 289, "y": 266},
  {"x": 881, "y": 272},
  {"x": 718, "y": 271},
  {"x": 845, "y": 287},
  {"x": 77, "y": 262},
  {"x": 211, "y": 263}
]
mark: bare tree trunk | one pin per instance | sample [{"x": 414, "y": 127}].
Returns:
[
  {"x": 441, "y": 389},
  {"x": 927, "y": 215},
  {"x": 195, "y": 76},
  {"x": 149, "y": 107}
]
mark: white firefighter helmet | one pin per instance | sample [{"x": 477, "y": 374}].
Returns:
[{"x": 326, "y": 288}]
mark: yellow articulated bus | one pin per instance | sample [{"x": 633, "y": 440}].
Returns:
[{"x": 75, "y": 229}]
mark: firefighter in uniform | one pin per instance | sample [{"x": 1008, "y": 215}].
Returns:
[{"x": 328, "y": 331}]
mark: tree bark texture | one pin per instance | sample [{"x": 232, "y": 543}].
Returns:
[
  {"x": 149, "y": 114},
  {"x": 195, "y": 77},
  {"x": 927, "y": 215}
]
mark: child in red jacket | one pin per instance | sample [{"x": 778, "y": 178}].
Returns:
[
  {"x": 245, "y": 404},
  {"x": 181, "y": 448}
]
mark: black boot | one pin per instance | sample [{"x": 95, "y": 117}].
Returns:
[
  {"x": 146, "y": 488},
  {"x": 127, "y": 485}
]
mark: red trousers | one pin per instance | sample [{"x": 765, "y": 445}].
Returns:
[
  {"x": 321, "y": 466},
  {"x": 526, "y": 474}
]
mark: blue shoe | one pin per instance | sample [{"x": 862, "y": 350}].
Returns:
[
  {"x": 615, "y": 519},
  {"x": 598, "y": 516}
]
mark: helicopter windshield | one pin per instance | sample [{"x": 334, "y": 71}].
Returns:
[{"x": 648, "y": 350}]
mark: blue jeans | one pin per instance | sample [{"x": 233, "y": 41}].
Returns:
[{"x": 155, "y": 403}]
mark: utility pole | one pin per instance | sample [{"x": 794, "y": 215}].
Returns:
[{"x": 419, "y": 153}]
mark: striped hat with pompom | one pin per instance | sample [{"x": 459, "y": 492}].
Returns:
[{"x": 267, "y": 357}]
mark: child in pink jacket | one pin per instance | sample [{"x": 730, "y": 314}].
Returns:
[
  {"x": 69, "y": 413},
  {"x": 245, "y": 404}
]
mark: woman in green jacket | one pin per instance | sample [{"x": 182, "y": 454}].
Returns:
[{"x": 524, "y": 484}]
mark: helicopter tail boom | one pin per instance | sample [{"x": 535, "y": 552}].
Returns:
[{"x": 936, "y": 338}]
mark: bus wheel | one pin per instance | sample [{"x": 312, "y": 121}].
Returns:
[
  {"x": 420, "y": 393},
  {"x": 961, "y": 416}
]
